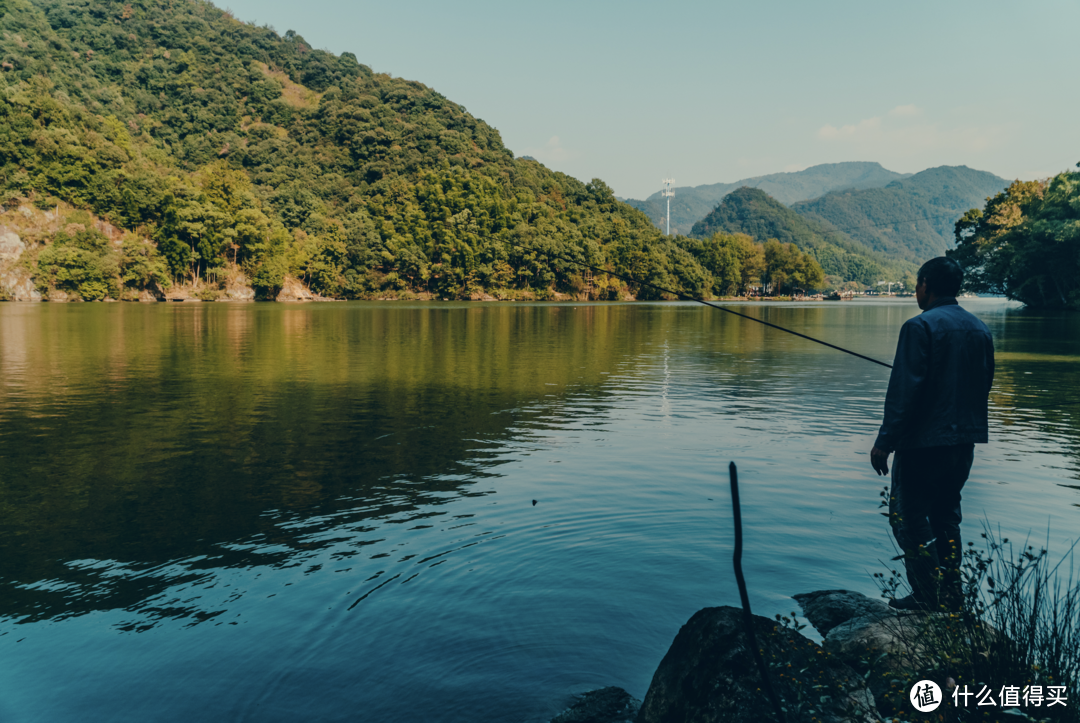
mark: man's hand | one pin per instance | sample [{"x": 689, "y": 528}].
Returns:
[{"x": 880, "y": 461}]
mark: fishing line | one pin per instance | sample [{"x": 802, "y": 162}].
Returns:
[{"x": 686, "y": 297}]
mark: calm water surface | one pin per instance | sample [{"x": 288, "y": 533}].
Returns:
[{"x": 326, "y": 512}]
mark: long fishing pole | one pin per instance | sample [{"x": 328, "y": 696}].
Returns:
[{"x": 686, "y": 297}]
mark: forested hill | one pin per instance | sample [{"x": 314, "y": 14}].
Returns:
[
  {"x": 753, "y": 212},
  {"x": 239, "y": 152},
  {"x": 911, "y": 218},
  {"x": 691, "y": 204}
]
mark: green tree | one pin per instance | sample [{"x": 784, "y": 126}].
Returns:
[
  {"x": 141, "y": 264},
  {"x": 720, "y": 256},
  {"x": 1025, "y": 243},
  {"x": 79, "y": 261},
  {"x": 787, "y": 269}
]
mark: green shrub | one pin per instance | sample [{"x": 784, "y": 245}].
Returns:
[
  {"x": 269, "y": 277},
  {"x": 141, "y": 263},
  {"x": 79, "y": 261}
]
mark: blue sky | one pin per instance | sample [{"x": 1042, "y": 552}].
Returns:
[{"x": 632, "y": 92}]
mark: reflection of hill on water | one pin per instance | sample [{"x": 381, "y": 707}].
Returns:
[
  {"x": 148, "y": 435},
  {"x": 141, "y": 443},
  {"x": 148, "y": 447}
]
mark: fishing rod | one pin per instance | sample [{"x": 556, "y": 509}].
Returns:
[{"x": 687, "y": 297}]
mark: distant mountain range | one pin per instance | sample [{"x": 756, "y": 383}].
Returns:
[
  {"x": 911, "y": 218},
  {"x": 691, "y": 204},
  {"x": 903, "y": 217},
  {"x": 753, "y": 212}
]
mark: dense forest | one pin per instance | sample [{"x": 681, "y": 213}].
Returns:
[
  {"x": 227, "y": 150},
  {"x": 1025, "y": 243},
  {"x": 910, "y": 218},
  {"x": 751, "y": 211}
]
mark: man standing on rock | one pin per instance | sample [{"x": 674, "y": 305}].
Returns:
[{"x": 935, "y": 414}]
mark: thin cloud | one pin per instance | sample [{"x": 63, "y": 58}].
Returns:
[
  {"x": 906, "y": 110},
  {"x": 904, "y": 130},
  {"x": 863, "y": 128},
  {"x": 551, "y": 152}
]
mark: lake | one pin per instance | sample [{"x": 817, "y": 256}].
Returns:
[{"x": 449, "y": 512}]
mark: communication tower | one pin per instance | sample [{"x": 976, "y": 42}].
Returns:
[{"x": 668, "y": 193}]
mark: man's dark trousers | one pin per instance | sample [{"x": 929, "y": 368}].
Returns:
[{"x": 924, "y": 511}]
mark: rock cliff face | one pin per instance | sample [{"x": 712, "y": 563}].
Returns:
[
  {"x": 238, "y": 289},
  {"x": 152, "y": 293},
  {"x": 293, "y": 290},
  {"x": 11, "y": 246},
  {"x": 15, "y": 282}
]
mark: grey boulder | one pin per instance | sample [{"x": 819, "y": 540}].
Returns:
[
  {"x": 709, "y": 675},
  {"x": 825, "y": 609}
]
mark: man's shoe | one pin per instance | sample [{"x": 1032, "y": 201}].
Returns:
[{"x": 910, "y": 603}]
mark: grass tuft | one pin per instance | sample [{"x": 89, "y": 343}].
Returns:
[{"x": 1018, "y": 627}]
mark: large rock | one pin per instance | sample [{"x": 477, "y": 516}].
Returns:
[
  {"x": 294, "y": 290},
  {"x": 152, "y": 292},
  {"x": 879, "y": 643},
  {"x": 11, "y": 246},
  {"x": 60, "y": 296},
  {"x": 238, "y": 289},
  {"x": 16, "y": 285},
  {"x": 825, "y": 609},
  {"x": 871, "y": 637},
  {"x": 709, "y": 675},
  {"x": 859, "y": 630},
  {"x": 15, "y": 282},
  {"x": 606, "y": 705}
]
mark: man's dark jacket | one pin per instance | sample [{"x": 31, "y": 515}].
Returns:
[{"x": 940, "y": 381}]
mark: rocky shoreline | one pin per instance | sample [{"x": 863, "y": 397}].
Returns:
[{"x": 709, "y": 675}]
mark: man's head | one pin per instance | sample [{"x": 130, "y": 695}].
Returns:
[{"x": 938, "y": 278}]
